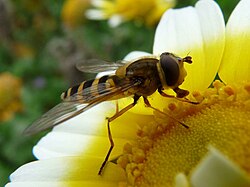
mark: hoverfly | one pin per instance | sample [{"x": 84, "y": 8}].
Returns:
[{"x": 138, "y": 78}]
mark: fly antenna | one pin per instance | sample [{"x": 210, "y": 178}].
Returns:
[{"x": 188, "y": 59}]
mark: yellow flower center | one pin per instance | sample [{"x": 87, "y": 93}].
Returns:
[{"x": 165, "y": 148}]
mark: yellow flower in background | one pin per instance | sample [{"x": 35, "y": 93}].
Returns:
[
  {"x": 22, "y": 50},
  {"x": 10, "y": 92},
  {"x": 73, "y": 12},
  {"x": 150, "y": 148},
  {"x": 148, "y": 12}
]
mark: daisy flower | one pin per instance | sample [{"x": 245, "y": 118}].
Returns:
[
  {"x": 118, "y": 11},
  {"x": 150, "y": 148}
]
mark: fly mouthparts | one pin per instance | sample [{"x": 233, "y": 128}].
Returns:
[{"x": 188, "y": 59}]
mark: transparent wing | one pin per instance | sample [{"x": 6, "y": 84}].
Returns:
[
  {"x": 73, "y": 106},
  {"x": 54, "y": 116},
  {"x": 96, "y": 65}
]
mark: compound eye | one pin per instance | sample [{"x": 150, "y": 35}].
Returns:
[{"x": 170, "y": 68}]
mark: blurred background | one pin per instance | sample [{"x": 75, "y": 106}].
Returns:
[{"x": 39, "y": 44}]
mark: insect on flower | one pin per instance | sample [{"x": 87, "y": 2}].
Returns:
[{"x": 138, "y": 78}]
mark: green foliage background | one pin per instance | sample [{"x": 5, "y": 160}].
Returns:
[{"x": 45, "y": 73}]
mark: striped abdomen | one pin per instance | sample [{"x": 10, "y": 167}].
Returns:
[{"x": 91, "y": 88}]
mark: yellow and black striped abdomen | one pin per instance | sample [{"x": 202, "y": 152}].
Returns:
[{"x": 91, "y": 88}]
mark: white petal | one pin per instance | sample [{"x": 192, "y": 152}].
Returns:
[
  {"x": 90, "y": 122},
  {"x": 95, "y": 14},
  {"x": 115, "y": 20},
  {"x": 44, "y": 153},
  {"x": 213, "y": 32},
  {"x": 135, "y": 54},
  {"x": 57, "y": 144},
  {"x": 66, "y": 169},
  {"x": 235, "y": 65},
  {"x": 240, "y": 17},
  {"x": 218, "y": 171},
  {"x": 178, "y": 31}
]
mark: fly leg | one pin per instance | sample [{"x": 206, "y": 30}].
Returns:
[
  {"x": 117, "y": 114},
  {"x": 149, "y": 105},
  {"x": 180, "y": 94},
  {"x": 117, "y": 107}
]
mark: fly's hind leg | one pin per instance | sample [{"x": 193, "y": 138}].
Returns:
[
  {"x": 149, "y": 105},
  {"x": 117, "y": 114}
]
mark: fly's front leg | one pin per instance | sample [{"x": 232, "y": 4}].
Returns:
[
  {"x": 149, "y": 105},
  {"x": 180, "y": 94},
  {"x": 117, "y": 114},
  {"x": 117, "y": 107}
]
